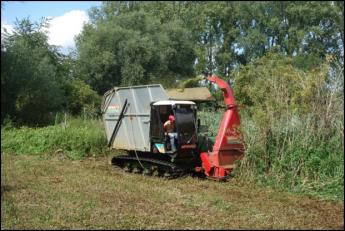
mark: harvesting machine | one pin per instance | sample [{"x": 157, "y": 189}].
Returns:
[{"x": 134, "y": 117}]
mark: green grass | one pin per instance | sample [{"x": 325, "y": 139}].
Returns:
[
  {"x": 40, "y": 189},
  {"x": 291, "y": 157},
  {"x": 46, "y": 192},
  {"x": 76, "y": 139}
]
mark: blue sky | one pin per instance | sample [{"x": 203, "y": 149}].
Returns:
[
  {"x": 67, "y": 17},
  {"x": 38, "y": 9}
]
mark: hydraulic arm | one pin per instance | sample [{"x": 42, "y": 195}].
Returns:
[{"x": 229, "y": 145}]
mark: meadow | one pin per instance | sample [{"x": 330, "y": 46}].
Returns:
[
  {"x": 50, "y": 192},
  {"x": 60, "y": 176}
]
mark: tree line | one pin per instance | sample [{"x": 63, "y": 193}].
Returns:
[{"x": 142, "y": 42}]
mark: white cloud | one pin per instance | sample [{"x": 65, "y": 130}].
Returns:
[
  {"x": 62, "y": 29},
  {"x": 9, "y": 28}
]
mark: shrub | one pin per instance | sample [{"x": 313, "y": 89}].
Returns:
[{"x": 76, "y": 139}]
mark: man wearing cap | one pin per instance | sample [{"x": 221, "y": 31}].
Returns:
[{"x": 169, "y": 127}]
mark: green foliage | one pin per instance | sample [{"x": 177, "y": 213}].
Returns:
[
  {"x": 273, "y": 86},
  {"x": 29, "y": 81},
  {"x": 293, "y": 156},
  {"x": 81, "y": 98},
  {"x": 226, "y": 34},
  {"x": 190, "y": 82},
  {"x": 293, "y": 125},
  {"x": 76, "y": 139},
  {"x": 291, "y": 27},
  {"x": 276, "y": 54},
  {"x": 133, "y": 49},
  {"x": 37, "y": 81}
]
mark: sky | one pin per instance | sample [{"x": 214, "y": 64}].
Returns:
[{"x": 67, "y": 18}]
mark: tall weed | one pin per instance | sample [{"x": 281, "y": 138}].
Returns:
[
  {"x": 293, "y": 155},
  {"x": 76, "y": 139}
]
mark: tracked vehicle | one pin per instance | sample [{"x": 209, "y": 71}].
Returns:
[{"x": 134, "y": 117}]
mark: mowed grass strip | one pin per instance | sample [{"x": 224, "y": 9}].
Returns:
[{"x": 43, "y": 192}]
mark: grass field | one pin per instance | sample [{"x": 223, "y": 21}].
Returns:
[{"x": 51, "y": 192}]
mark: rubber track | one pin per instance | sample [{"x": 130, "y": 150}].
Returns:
[{"x": 162, "y": 165}]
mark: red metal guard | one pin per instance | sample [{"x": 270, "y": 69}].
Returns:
[{"x": 229, "y": 145}]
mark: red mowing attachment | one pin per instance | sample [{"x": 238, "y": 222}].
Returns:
[{"x": 229, "y": 145}]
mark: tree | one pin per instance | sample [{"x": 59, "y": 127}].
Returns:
[
  {"x": 29, "y": 83},
  {"x": 228, "y": 34},
  {"x": 133, "y": 48}
]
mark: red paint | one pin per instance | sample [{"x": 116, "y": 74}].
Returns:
[{"x": 229, "y": 145}]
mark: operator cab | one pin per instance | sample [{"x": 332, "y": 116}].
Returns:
[{"x": 185, "y": 125}]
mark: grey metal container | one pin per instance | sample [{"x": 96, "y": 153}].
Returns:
[{"x": 133, "y": 126}]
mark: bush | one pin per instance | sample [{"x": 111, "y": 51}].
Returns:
[
  {"x": 77, "y": 139},
  {"x": 293, "y": 126},
  {"x": 291, "y": 156},
  {"x": 81, "y": 99}
]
